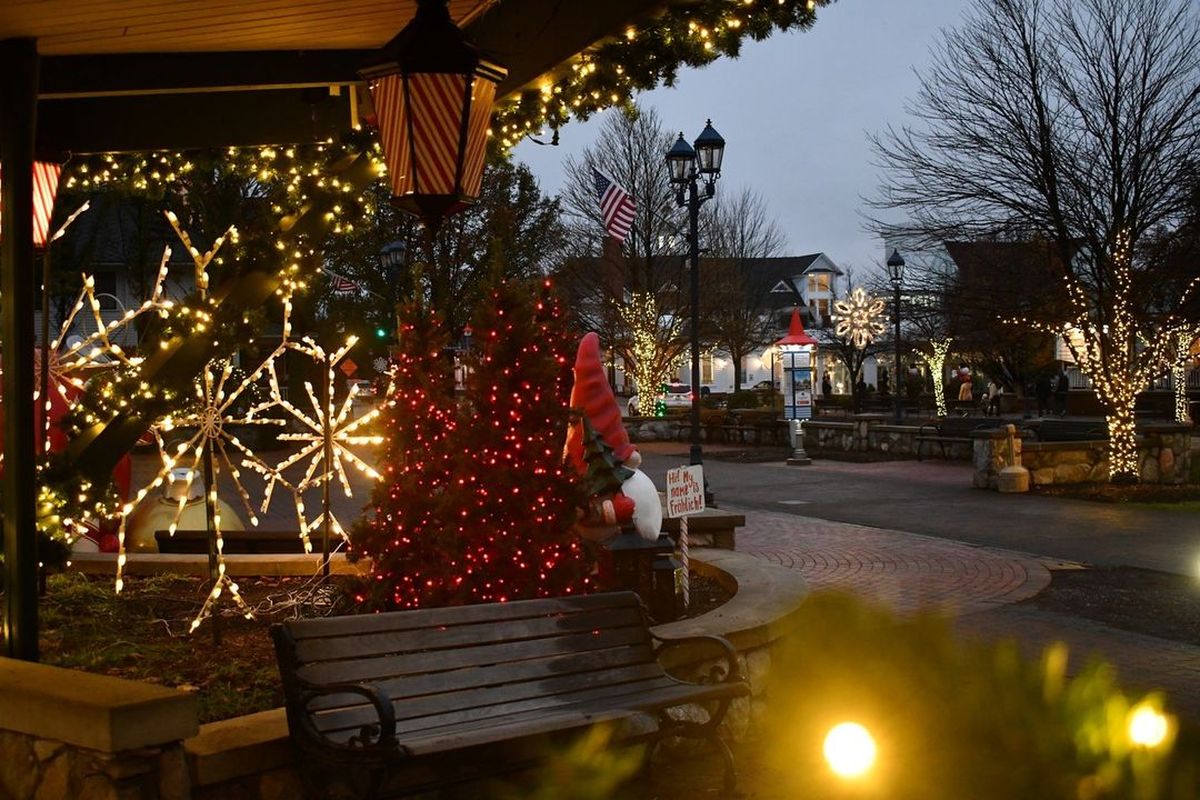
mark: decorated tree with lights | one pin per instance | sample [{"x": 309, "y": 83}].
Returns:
[
  {"x": 1073, "y": 122},
  {"x": 413, "y": 553},
  {"x": 519, "y": 498},
  {"x": 475, "y": 504}
]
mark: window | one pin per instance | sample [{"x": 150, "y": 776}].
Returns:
[
  {"x": 823, "y": 312},
  {"x": 706, "y": 368},
  {"x": 818, "y": 282}
]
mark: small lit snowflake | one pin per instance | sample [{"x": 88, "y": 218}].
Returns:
[{"x": 859, "y": 317}]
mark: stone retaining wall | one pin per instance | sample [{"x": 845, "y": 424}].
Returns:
[
  {"x": 73, "y": 735},
  {"x": 873, "y": 432},
  {"x": 1164, "y": 452}
]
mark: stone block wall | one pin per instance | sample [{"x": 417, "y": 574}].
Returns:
[
  {"x": 1164, "y": 452},
  {"x": 32, "y": 768},
  {"x": 68, "y": 735},
  {"x": 872, "y": 432}
]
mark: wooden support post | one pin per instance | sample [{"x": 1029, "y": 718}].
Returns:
[{"x": 18, "y": 109}]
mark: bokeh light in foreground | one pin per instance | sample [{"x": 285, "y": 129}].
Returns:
[
  {"x": 849, "y": 749},
  {"x": 1147, "y": 726}
]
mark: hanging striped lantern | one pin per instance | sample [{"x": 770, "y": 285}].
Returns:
[
  {"x": 433, "y": 98},
  {"x": 45, "y": 189}
]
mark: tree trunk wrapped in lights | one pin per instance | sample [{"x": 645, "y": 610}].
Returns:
[
  {"x": 649, "y": 325},
  {"x": 937, "y": 367},
  {"x": 1184, "y": 339},
  {"x": 1116, "y": 358}
]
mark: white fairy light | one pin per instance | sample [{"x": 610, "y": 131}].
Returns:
[{"x": 859, "y": 317}]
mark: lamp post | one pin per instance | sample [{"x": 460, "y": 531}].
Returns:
[
  {"x": 689, "y": 164},
  {"x": 797, "y": 347},
  {"x": 895, "y": 268}
]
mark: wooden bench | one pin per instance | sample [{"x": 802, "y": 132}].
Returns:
[
  {"x": 235, "y": 542},
  {"x": 383, "y": 705},
  {"x": 951, "y": 430}
]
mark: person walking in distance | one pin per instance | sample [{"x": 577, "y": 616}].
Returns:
[
  {"x": 1043, "y": 387},
  {"x": 1061, "y": 388}
]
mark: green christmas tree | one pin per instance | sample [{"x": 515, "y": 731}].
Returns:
[
  {"x": 476, "y": 504},
  {"x": 402, "y": 533}
]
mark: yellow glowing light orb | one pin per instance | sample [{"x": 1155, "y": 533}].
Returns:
[
  {"x": 849, "y": 749},
  {"x": 1148, "y": 726}
]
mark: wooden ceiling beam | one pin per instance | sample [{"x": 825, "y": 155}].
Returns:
[
  {"x": 173, "y": 73},
  {"x": 143, "y": 101}
]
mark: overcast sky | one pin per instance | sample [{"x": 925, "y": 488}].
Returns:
[{"x": 795, "y": 111}]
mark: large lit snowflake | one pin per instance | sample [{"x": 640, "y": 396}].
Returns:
[
  {"x": 209, "y": 444},
  {"x": 329, "y": 431},
  {"x": 859, "y": 318}
]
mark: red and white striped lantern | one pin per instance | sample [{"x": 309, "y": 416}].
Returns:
[
  {"x": 433, "y": 98},
  {"x": 45, "y": 189}
]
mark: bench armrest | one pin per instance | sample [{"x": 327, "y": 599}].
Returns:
[
  {"x": 733, "y": 670},
  {"x": 383, "y": 732}
]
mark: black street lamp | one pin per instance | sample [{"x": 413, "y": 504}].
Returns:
[
  {"x": 391, "y": 259},
  {"x": 895, "y": 269},
  {"x": 688, "y": 165}
]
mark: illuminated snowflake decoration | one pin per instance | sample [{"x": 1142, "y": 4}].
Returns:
[
  {"x": 208, "y": 426},
  {"x": 859, "y": 318},
  {"x": 328, "y": 433}
]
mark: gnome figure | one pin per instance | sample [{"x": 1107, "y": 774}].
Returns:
[{"x": 621, "y": 495}]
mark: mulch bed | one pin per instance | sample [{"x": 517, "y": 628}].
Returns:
[
  {"x": 1152, "y": 603},
  {"x": 142, "y": 633}
]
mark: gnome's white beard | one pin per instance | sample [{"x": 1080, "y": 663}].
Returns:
[{"x": 647, "y": 512}]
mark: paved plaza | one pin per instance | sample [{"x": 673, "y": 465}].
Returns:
[{"x": 973, "y": 554}]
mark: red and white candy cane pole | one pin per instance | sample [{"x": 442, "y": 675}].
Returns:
[{"x": 685, "y": 582}]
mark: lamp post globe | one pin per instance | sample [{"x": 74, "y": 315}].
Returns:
[
  {"x": 710, "y": 149},
  {"x": 681, "y": 161},
  {"x": 687, "y": 167},
  {"x": 895, "y": 270}
]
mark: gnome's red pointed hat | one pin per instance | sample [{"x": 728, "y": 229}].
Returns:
[{"x": 593, "y": 398}]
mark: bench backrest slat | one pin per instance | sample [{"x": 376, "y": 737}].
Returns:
[
  {"x": 455, "y": 615},
  {"x": 444, "y": 637},
  {"x": 388, "y": 666}
]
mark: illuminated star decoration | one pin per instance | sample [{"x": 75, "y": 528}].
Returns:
[
  {"x": 325, "y": 422},
  {"x": 859, "y": 317}
]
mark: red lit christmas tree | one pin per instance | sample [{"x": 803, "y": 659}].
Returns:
[
  {"x": 477, "y": 506},
  {"x": 411, "y": 551}
]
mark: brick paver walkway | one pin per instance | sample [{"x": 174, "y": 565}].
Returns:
[{"x": 904, "y": 571}]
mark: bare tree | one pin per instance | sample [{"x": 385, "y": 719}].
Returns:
[
  {"x": 736, "y": 297},
  {"x": 1077, "y": 121},
  {"x": 648, "y": 269}
]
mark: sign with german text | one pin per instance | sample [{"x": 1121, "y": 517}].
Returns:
[{"x": 685, "y": 491}]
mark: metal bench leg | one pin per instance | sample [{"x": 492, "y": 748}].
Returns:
[{"x": 730, "y": 780}]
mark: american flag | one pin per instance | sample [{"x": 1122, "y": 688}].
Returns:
[
  {"x": 616, "y": 206},
  {"x": 341, "y": 284}
]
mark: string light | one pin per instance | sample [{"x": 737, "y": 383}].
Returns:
[
  {"x": 652, "y": 331},
  {"x": 1118, "y": 359},
  {"x": 936, "y": 360},
  {"x": 1185, "y": 338},
  {"x": 476, "y": 504},
  {"x": 642, "y": 58}
]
